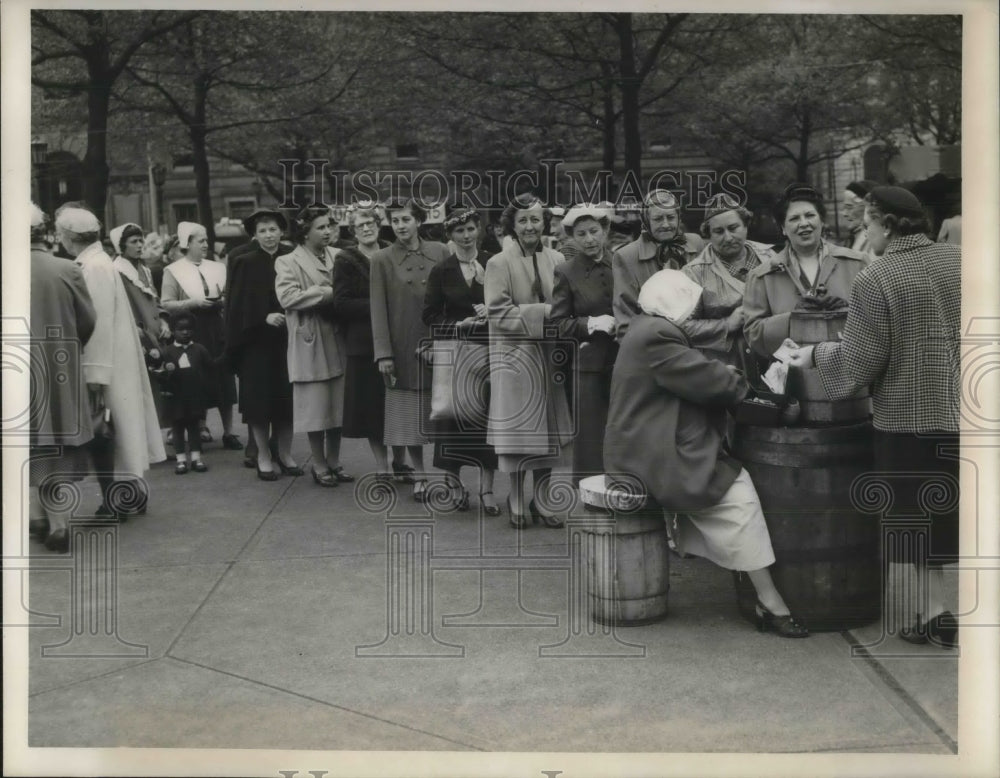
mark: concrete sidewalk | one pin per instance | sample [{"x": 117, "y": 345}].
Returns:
[{"x": 256, "y": 615}]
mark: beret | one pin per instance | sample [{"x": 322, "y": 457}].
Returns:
[
  {"x": 861, "y": 188},
  {"x": 597, "y": 212},
  {"x": 720, "y": 203},
  {"x": 78, "y": 220},
  {"x": 897, "y": 201}
]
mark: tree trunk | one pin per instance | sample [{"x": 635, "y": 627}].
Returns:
[
  {"x": 802, "y": 161},
  {"x": 95, "y": 162},
  {"x": 199, "y": 153},
  {"x": 608, "y": 129},
  {"x": 629, "y": 86}
]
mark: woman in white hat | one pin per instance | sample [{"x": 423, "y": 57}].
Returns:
[
  {"x": 196, "y": 284},
  {"x": 581, "y": 308}
]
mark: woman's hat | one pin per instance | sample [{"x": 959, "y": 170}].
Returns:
[
  {"x": 896, "y": 200},
  {"x": 184, "y": 232},
  {"x": 670, "y": 294},
  {"x": 599, "y": 212},
  {"x": 720, "y": 203},
  {"x": 78, "y": 220},
  {"x": 861, "y": 188},
  {"x": 250, "y": 222},
  {"x": 122, "y": 233}
]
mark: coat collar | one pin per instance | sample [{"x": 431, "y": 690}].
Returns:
[
  {"x": 135, "y": 275},
  {"x": 400, "y": 252},
  {"x": 907, "y": 243}
]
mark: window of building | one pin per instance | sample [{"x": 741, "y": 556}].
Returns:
[
  {"x": 407, "y": 151},
  {"x": 240, "y": 208},
  {"x": 185, "y": 211}
]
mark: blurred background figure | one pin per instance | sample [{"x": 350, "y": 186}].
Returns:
[
  {"x": 694, "y": 244},
  {"x": 854, "y": 211},
  {"x": 60, "y": 426}
]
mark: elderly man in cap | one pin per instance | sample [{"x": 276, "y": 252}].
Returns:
[
  {"x": 902, "y": 339},
  {"x": 115, "y": 372},
  {"x": 661, "y": 245},
  {"x": 667, "y": 428},
  {"x": 854, "y": 211}
]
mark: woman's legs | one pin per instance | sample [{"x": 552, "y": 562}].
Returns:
[
  {"x": 333, "y": 448},
  {"x": 316, "y": 448},
  {"x": 260, "y": 436},
  {"x": 417, "y": 458},
  {"x": 518, "y": 505},
  {"x": 767, "y": 592},
  {"x": 541, "y": 478},
  {"x": 486, "y": 496},
  {"x": 283, "y": 434},
  {"x": 381, "y": 454},
  {"x": 226, "y": 414}
]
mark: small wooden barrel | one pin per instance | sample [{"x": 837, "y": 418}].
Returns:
[
  {"x": 628, "y": 560},
  {"x": 828, "y": 555},
  {"x": 808, "y": 328}
]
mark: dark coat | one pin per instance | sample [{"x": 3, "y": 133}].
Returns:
[
  {"x": 583, "y": 288},
  {"x": 352, "y": 301},
  {"x": 192, "y": 389},
  {"x": 449, "y": 299},
  {"x": 62, "y": 321},
  {"x": 667, "y": 417}
]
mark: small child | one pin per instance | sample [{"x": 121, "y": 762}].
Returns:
[{"x": 188, "y": 373}]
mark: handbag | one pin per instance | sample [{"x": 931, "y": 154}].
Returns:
[
  {"x": 460, "y": 382},
  {"x": 100, "y": 417}
]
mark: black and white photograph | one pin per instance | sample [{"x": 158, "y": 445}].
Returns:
[{"x": 570, "y": 389}]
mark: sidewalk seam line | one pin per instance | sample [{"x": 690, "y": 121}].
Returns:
[{"x": 325, "y": 703}]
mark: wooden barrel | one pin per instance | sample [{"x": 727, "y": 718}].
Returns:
[
  {"x": 828, "y": 564},
  {"x": 808, "y": 328},
  {"x": 628, "y": 561}
]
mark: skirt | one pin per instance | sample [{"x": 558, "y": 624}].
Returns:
[
  {"x": 265, "y": 391},
  {"x": 407, "y": 417},
  {"x": 591, "y": 418},
  {"x": 731, "y": 533},
  {"x": 364, "y": 399},
  {"x": 318, "y": 405},
  {"x": 924, "y": 483}
]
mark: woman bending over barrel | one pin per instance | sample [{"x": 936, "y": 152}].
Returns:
[{"x": 669, "y": 398}]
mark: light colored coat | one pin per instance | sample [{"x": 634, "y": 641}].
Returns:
[
  {"x": 113, "y": 358},
  {"x": 304, "y": 286},
  {"x": 528, "y": 409}
]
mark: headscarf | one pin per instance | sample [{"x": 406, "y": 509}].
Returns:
[
  {"x": 122, "y": 233},
  {"x": 670, "y": 294},
  {"x": 184, "y": 232}
]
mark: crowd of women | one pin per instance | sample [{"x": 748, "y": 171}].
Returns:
[{"x": 630, "y": 355}]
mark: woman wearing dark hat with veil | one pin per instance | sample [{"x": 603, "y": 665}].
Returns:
[{"x": 257, "y": 343}]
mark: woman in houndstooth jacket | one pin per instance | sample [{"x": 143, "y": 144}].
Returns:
[{"x": 902, "y": 338}]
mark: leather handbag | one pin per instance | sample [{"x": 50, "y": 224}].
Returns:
[{"x": 460, "y": 381}]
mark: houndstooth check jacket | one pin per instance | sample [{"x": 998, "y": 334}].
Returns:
[{"x": 902, "y": 338}]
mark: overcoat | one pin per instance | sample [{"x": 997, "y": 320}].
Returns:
[
  {"x": 667, "y": 417},
  {"x": 304, "y": 286},
  {"x": 398, "y": 285},
  {"x": 773, "y": 291},
  {"x": 528, "y": 409},
  {"x": 113, "y": 358},
  {"x": 61, "y": 310}
]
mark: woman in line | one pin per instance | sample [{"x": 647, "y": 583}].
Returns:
[
  {"x": 196, "y": 284},
  {"x": 115, "y": 373},
  {"x": 581, "y": 307},
  {"x": 454, "y": 309},
  {"x": 304, "y": 287},
  {"x": 257, "y": 343},
  {"x": 667, "y": 428},
  {"x": 399, "y": 276},
  {"x": 902, "y": 338},
  {"x": 61, "y": 426},
  {"x": 529, "y": 416},
  {"x": 364, "y": 390},
  {"x": 721, "y": 270},
  {"x": 808, "y": 270}
]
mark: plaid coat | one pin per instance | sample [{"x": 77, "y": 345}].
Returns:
[{"x": 902, "y": 337}]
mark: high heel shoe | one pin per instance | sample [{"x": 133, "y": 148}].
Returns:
[
  {"x": 266, "y": 475},
  {"x": 783, "y": 626},
  {"x": 943, "y": 630},
  {"x": 461, "y": 501},
  {"x": 552, "y": 522},
  {"x": 292, "y": 470},
  {"x": 489, "y": 510},
  {"x": 327, "y": 479},
  {"x": 518, "y": 521}
]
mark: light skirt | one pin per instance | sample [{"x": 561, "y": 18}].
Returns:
[
  {"x": 318, "y": 405},
  {"x": 732, "y": 533}
]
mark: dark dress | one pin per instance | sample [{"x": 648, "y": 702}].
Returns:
[
  {"x": 364, "y": 391},
  {"x": 449, "y": 298},
  {"x": 583, "y": 288},
  {"x": 257, "y": 351},
  {"x": 189, "y": 390}
]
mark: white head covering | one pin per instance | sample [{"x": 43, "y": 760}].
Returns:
[
  {"x": 184, "y": 232},
  {"x": 116, "y": 234},
  {"x": 670, "y": 294},
  {"x": 37, "y": 216},
  {"x": 78, "y": 220},
  {"x": 577, "y": 212}
]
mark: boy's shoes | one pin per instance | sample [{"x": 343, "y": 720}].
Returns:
[
  {"x": 199, "y": 467},
  {"x": 181, "y": 468}
]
